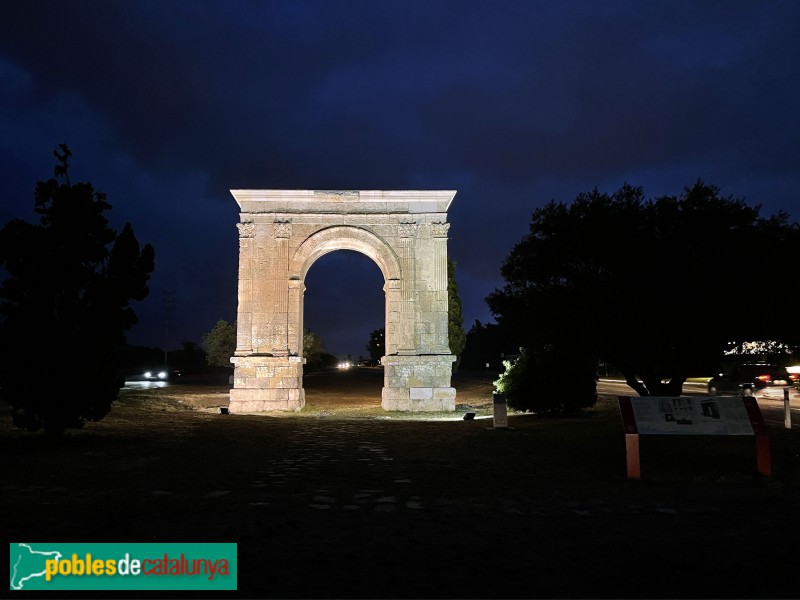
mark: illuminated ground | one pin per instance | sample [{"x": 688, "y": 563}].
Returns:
[{"x": 343, "y": 502}]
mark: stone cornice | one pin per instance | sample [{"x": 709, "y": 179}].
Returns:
[{"x": 344, "y": 201}]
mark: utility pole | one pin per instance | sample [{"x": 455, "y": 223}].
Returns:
[{"x": 168, "y": 304}]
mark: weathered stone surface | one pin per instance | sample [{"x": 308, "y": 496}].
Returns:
[{"x": 283, "y": 232}]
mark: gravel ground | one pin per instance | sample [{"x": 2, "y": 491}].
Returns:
[{"x": 343, "y": 500}]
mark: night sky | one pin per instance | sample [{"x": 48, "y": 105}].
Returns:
[{"x": 168, "y": 105}]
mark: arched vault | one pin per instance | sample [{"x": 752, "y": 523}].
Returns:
[{"x": 344, "y": 238}]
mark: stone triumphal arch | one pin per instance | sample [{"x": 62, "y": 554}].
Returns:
[{"x": 282, "y": 233}]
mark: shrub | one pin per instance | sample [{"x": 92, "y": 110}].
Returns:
[{"x": 549, "y": 382}]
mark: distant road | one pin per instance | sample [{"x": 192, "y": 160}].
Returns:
[{"x": 616, "y": 387}]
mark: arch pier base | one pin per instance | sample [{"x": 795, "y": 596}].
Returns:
[
  {"x": 418, "y": 383},
  {"x": 267, "y": 383}
]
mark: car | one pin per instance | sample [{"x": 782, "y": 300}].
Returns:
[
  {"x": 748, "y": 378},
  {"x": 160, "y": 373}
]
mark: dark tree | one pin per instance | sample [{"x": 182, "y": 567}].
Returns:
[
  {"x": 455, "y": 325},
  {"x": 65, "y": 304},
  {"x": 485, "y": 348},
  {"x": 190, "y": 358},
  {"x": 377, "y": 344},
  {"x": 656, "y": 288}
]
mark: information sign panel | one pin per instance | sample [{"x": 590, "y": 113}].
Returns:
[
  {"x": 682, "y": 415},
  {"x": 699, "y": 415}
]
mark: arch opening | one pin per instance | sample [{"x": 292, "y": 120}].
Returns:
[{"x": 343, "y": 314}]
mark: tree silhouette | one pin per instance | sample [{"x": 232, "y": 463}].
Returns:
[
  {"x": 376, "y": 347},
  {"x": 66, "y": 304},
  {"x": 657, "y": 288},
  {"x": 485, "y": 349}
]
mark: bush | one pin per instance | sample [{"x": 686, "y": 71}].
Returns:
[{"x": 548, "y": 382}]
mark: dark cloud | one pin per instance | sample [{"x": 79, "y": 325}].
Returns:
[{"x": 168, "y": 105}]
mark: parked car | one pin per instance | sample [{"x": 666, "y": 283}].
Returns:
[
  {"x": 794, "y": 373},
  {"x": 747, "y": 379}
]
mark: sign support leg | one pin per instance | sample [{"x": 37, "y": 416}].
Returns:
[{"x": 632, "y": 454}]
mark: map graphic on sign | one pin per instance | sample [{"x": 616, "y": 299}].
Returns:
[{"x": 27, "y": 563}]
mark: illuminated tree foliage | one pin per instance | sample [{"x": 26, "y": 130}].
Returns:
[
  {"x": 220, "y": 344},
  {"x": 313, "y": 349},
  {"x": 65, "y": 304},
  {"x": 657, "y": 288},
  {"x": 455, "y": 324}
]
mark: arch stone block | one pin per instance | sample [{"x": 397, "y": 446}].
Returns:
[{"x": 283, "y": 232}]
